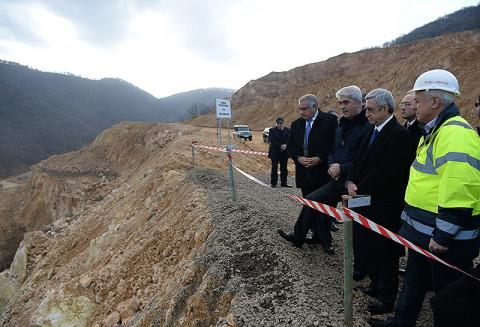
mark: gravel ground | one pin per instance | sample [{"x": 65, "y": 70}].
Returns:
[{"x": 274, "y": 283}]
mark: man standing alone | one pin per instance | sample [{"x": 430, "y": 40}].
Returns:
[{"x": 277, "y": 152}]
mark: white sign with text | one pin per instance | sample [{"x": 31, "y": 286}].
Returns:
[{"x": 223, "y": 109}]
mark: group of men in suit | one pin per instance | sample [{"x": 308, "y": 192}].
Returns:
[{"x": 366, "y": 151}]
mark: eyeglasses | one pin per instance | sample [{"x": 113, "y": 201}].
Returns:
[
  {"x": 304, "y": 108},
  {"x": 403, "y": 104}
]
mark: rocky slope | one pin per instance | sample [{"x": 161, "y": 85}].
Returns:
[
  {"x": 125, "y": 232},
  {"x": 260, "y": 101}
]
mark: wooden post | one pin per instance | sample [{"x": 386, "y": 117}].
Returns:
[
  {"x": 193, "y": 153},
  {"x": 230, "y": 173},
  {"x": 347, "y": 269}
]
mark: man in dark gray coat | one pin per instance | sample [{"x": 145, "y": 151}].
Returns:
[{"x": 277, "y": 152}]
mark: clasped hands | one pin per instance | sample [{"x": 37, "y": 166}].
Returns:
[
  {"x": 334, "y": 171},
  {"x": 309, "y": 162}
]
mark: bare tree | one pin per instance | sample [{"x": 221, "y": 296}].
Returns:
[{"x": 197, "y": 108}]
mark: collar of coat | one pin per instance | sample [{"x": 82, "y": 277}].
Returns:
[{"x": 447, "y": 113}]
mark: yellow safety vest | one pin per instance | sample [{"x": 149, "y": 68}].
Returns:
[{"x": 446, "y": 174}]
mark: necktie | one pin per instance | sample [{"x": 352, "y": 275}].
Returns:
[
  {"x": 308, "y": 127},
  {"x": 374, "y": 136},
  {"x": 307, "y": 131}
]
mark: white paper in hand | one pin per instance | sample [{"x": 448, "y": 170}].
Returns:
[{"x": 359, "y": 201}]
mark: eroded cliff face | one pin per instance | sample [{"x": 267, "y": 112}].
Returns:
[
  {"x": 11, "y": 231},
  {"x": 110, "y": 233},
  {"x": 52, "y": 193},
  {"x": 260, "y": 101}
]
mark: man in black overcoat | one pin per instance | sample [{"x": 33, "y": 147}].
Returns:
[
  {"x": 277, "y": 152},
  {"x": 381, "y": 171},
  {"x": 408, "y": 111},
  {"x": 311, "y": 138}
]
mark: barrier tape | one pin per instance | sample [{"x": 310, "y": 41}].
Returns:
[
  {"x": 195, "y": 145},
  {"x": 341, "y": 215},
  {"x": 345, "y": 213}
]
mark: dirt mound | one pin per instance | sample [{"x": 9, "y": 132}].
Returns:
[
  {"x": 126, "y": 233},
  {"x": 261, "y": 101},
  {"x": 272, "y": 282},
  {"x": 150, "y": 241}
]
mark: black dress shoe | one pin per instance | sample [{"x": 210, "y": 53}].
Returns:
[
  {"x": 375, "y": 322},
  {"x": 286, "y": 185},
  {"x": 289, "y": 238},
  {"x": 271, "y": 185},
  {"x": 359, "y": 275},
  {"x": 369, "y": 291},
  {"x": 328, "y": 250},
  {"x": 380, "y": 308},
  {"x": 312, "y": 240}
]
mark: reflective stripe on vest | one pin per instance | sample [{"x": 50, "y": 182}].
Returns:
[
  {"x": 424, "y": 229},
  {"x": 429, "y": 168}
]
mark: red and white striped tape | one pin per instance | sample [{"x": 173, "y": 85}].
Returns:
[
  {"x": 341, "y": 215},
  {"x": 195, "y": 145},
  {"x": 345, "y": 213}
]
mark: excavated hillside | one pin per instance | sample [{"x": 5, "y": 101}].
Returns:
[
  {"x": 261, "y": 101},
  {"x": 125, "y": 232}
]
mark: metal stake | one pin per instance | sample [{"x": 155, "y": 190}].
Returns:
[
  {"x": 193, "y": 153},
  {"x": 347, "y": 269},
  {"x": 230, "y": 173}
]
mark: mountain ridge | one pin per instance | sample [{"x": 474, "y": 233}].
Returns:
[
  {"x": 44, "y": 113},
  {"x": 394, "y": 68},
  {"x": 465, "y": 19}
]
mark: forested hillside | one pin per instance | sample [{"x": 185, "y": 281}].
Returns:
[
  {"x": 48, "y": 113},
  {"x": 465, "y": 19}
]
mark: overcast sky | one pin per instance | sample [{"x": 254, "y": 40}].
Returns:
[{"x": 170, "y": 46}]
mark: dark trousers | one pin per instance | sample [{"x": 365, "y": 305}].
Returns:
[
  {"x": 420, "y": 274},
  {"x": 458, "y": 304},
  {"x": 313, "y": 220},
  {"x": 283, "y": 171},
  {"x": 384, "y": 279},
  {"x": 359, "y": 264}
]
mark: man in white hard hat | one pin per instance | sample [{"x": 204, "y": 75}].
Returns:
[{"x": 442, "y": 210}]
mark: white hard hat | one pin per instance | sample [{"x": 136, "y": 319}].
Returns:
[{"x": 437, "y": 79}]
